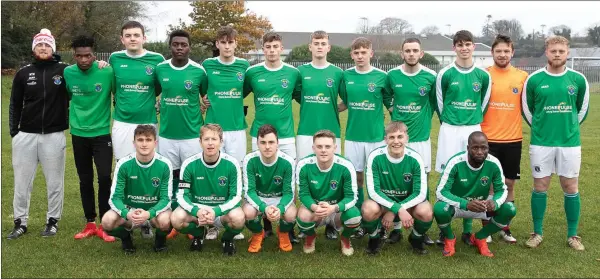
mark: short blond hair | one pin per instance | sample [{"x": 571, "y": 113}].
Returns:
[
  {"x": 319, "y": 34},
  {"x": 211, "y": 127},
  {"x": 324, "y": 134},
  {"x": 361, "y": 42},
  {"x": 556, "y": 40},
  {"x": 395, "y": 126}
]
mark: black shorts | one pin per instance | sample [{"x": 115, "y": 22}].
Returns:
[{"x": 509, "y": 155}]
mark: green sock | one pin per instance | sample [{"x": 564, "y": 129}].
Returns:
[
  {"x": 193, "y": 229},
  {"x": 254, "y": 225},
  {"x": 487, "y": 230},
  {"x": 538, "y": 209},
  {"x": 420, "y": 228},
  {"x": 447, "y": 231},
  {"x": 119, "y": 232},
  {"x": 361, "y": 197},
  {"x": 347, "y": 232},
  {"x": 308, "y": 228},
  {"x": 572, "y": 209},
  {"x": 285, "y": 226},
  {"x": 371, "y": 227},
  {"x": 229, "y": 233},
  {"x": 467, "y": 225},
  {"x": 174, "y": 203}
]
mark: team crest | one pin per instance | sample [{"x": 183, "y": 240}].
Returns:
[
  {"x": 485, "y": 180},
  {"x": 329, "y": 82},
  {"x": 333, "y": 184},
  {"x": 277, "y": 180},
  {"x": 571, "y": 89},
  {"x": 240, "y": 76},
  {"x": 98, "y": 87},
  {"x": 371, "y": 87},
  {"x": 407, "y": 177},
  {"x": 222, "y": 180},
  {"x": 476, "y": 86},
  {"x": 284, "y": 83},
  {"x": 57, "y": 79},
  {"x": 155, "y": 182},
  {"x": 422, "y": 90},
  {"x": 515, "y": 90},
  {"x": 149, "y": 70},
  {"x": 188, "y": 84}
]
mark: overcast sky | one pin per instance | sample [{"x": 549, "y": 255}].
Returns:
[{"x": 344, "y": 16}]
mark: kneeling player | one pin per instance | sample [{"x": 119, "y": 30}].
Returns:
[
  {"x": 210, "y": 191},
  {"x": 328, "y": 193},
  {"x": 269, "y": 188},
  {"x": 141, "y": 192},
  {"x": 397, "y": 188},
  {"x": 462, "y": 193}
]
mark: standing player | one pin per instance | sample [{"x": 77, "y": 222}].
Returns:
[
  {"x": 555, "y": 103},
  {"x": 463, "y": 92},
  {"x": 269, "y": 190},
  {"x": 210, "y": 192},
  {"x": 502, "y": 122},
  {"x": 328, "y": 193},
  {"x": 397, "y": 188},
  {"x": 141, "y": 192}
]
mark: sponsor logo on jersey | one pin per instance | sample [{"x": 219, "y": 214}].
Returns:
[
  {"x": 351, "y": 82},
  {"x": 155, "y": 182},
  {"x": 165, "y": 79},
  {"x": 133, "y": 177},
  {"x": 515, "y": 90},
  {"x": 571, "y": 89},
  {"x": 476, "y": 86},
  {"x": 240, "y": 76},
  {"x": 222, "y": 180},
  {"x": 394, "y": 193},
  {"x": 319, "y": 99},
  {"x": 143, "y": 199},
  {"x": 98, "y": 87},
  {"x": 545, "y": 86},
  {"x": 562, "y": 107},
  {"x": 467, "y": 104},
  {"x": 329, "y": 82},
  {"x": 178, "y": 100},
  {"x": 277, "y": 180},
  {"x": 124, "y": 66},
  {"x": 231, "y": 94},
  {"x": 275, "y": 100},
  {"x": 364, "y": 105},
  {"x": 407, "y": 177},
  {"x": 422, "y": 90},
  {"x": 57, "y": 80},
  {"x": 216, "y": 72},
  {"x": 385, "y": 172},
  {"x": 261, "y": 80},
  {"x": 454, "y": 83},
  {"x": 284, "y": 83},
  {"x": 149, "y": 70},
  {"x": 484, "y": 180},
  {"x": 410, "y": 108},
  {"x": 371, "y": 87},
  {"x": 188, "y": 84},
  {"x": 32, "y": 83},
  {"x": 333, "y": 184},
  {"x": 502, "y": 106},
  {"x": 139, "y": 87},
  {"x": 307, "y": 78},
  {"x": 399, "y": 85}
]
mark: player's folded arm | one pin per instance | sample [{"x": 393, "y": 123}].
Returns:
[
  {"x": 350, "y": 187},
  {"x": 251, "y": 196},
  {"x": 419, "y": 189},
  {"x": 288, "y": 189},
  {"x": 444, "y": 188},
  {"x": 373, "y": 183},
  {"x": 117, "y": 195},
  {"x": 165, "y": 195}
]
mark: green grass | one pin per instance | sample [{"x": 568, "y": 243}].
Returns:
[{"x": 62, "y": 256}]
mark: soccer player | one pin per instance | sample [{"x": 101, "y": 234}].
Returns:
[
  {"x": 462, "y": 192},
  {"x": 364, "y": 92},
  {"x": 136, "y": 87},
  {"x": 502, "y": 122},
  {"x": 327, "y": 193},
  {"x": 397, "y": 189},
  {"x": 269, "y": 190},
  {"x": 463, "y": 93},
  {"x": 414, "y": 102},
  {"x": 273, "y": 83},
  {"x": 210, "y": 192},
  {"x": 555, "y": 103},
  {"x": 141, "y": 192},
  {"x": 89, "y": 89}
]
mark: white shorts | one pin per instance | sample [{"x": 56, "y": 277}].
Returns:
[
  {"x": 451, "y": 140},
  {"x": 269, "y": 202},
  {"x": 330, "y": 220},
  {"x": 564, "y": 161},
  {"x": 424, "y": 149},
  {"x": 217, "y": 223},
  {"x": 178, "y": 150},
  {"x": 357, "y": 152},
  {"x": 234, "y": 144},
  {"x": 459, "y": 213},
  {"x": 287, "y": 146},
  {"x": 122, "y": 138},
  {"x": 304, "y": 146}
]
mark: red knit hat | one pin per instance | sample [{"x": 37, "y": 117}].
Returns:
[{"x": 44, "y": 37}]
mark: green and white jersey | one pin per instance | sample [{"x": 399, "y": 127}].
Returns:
[
  {"x": 317, "y": 94},
  {"x": 462, "y": 96},
  {"x": 365, "y": 94},
  {"x": 396, "y": 183},
  {"x": 140, "y": 185},
  {"x": 180, "y": 115},
  {"x": 414, "y": 100},
  {"x": 225, "y": 93},
  {"x": 136, "y": 86},
  {"x": 461, "y": 183},
  {"x": 275, "y": 180},
  {"x": 336, "y": 185},
  {"x": 273, "y": 90},
  {"x": 554, "y": 105},
  {"x": 218, "y": 185}
]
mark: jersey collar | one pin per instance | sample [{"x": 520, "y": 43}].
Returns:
[
  {"x": 210, "y": 166},
  {"x": 271, "y": 164},
  {"x": 410, "y": 74},
  {"x": 179, "y": 68},
  {"x": 146, "y": 165},
  {"x": 392, "y": 159}
]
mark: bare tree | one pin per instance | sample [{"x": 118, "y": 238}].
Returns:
[
  {"x": 510, "y": 28},
  {"x": 430, "y": 30},
  {"x": 394, "y": 25}
]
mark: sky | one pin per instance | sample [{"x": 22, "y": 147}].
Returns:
[{"x": 344, "y": 16}]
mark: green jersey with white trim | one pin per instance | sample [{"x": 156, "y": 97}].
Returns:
[
  {"x": 218, "y": 185},
  {"x": 336, "y": 185},
  {"x": 144, "y": 186},
  {"x": 554, "y": 105},
  {"x": 463, "y": 96},
  {"x": 180, "y": 116},
  {"x": 461, "y": 183},
  {"x": 275, "y": 180},
  {"x": 225, "y": 93},
  {"x": 414, "y": 100},
  {"x": 396, "y": 183},
  {"x": 135, "y": 86}
]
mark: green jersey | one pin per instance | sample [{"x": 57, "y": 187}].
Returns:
[
  {"x": 461, "y": 183},
  {"x": 273, "y": 89},
  {"x": 462, "y": 96},
  {"x": 90, "y": 94},
  {"x": 225, "y": 88},
  {"x": 336, "y": 185},
  {"x": 554, "y": 105},
  {"x": 141, "y": 185},
  {"x": 414, "y": 100},
  {"x": 180, "y": 115},
  {"x": 365, "y": 94},
  {"x": 218, "y": 185},
  {"x": 396, "y": 183},
  {"x": 136, "y": 86},
  {"x": 275, "y": 180},
  {"x": 317, "y": 93}
]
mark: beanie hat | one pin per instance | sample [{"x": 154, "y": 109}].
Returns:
[{"x": 44, "y": 37}]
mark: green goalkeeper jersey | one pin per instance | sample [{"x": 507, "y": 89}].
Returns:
[
  {"x": 136, "y": 86},
  {"x": 365, "y": 94},
  {"x": 462, "y": 96},
  {"x": 396, "y": 183},
  {"x": 554, "y": 105},
  {"x": 225, "y": 93},
  {"x": 414, "y": 100},
  {"x": 461, "y": 183},
  {"x": 336, "y": 185},
  {"x": 218, "y": 185},
  {"x": 140, "y": 185},
  {"x": 275, "y": 180},
  {"x": 317, "y": 94},
  {"x": 273, "y": 90}
]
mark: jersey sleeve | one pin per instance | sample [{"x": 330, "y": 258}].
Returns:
[
  {"x": 387, "y": 93},
  {"x": 297, "y": 94},
  {"x": 247, "y": 83},
  {"x": 183, "y": 191},
  {"x": 15, "y": 108},
  {"x": 235, "y": 191},
  {"x": 433, "y": 99},
  {"x": 444, "y": 188},
  {"x": 527, "y": 100},
  {"x": 350, "y": 188},
  {"x": 500, "y": 189},
  {"x": 343, "y": 92},
  {"x": 166, "y": 188},
  {"x": 583, "y": 99},
  {"x": 374, "y": 186},
  {"x": 304, "y": 192},
  {"x": 203, "y": 83},
  {"x": 486, "y": 88},
  {"x": 419, "y": 186},
  {"x": 440, "y": 87},
  {"x": 117, "y": 191},
  {"x": 250, "y": 187},
  {"x": 288, "y": 189}
]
